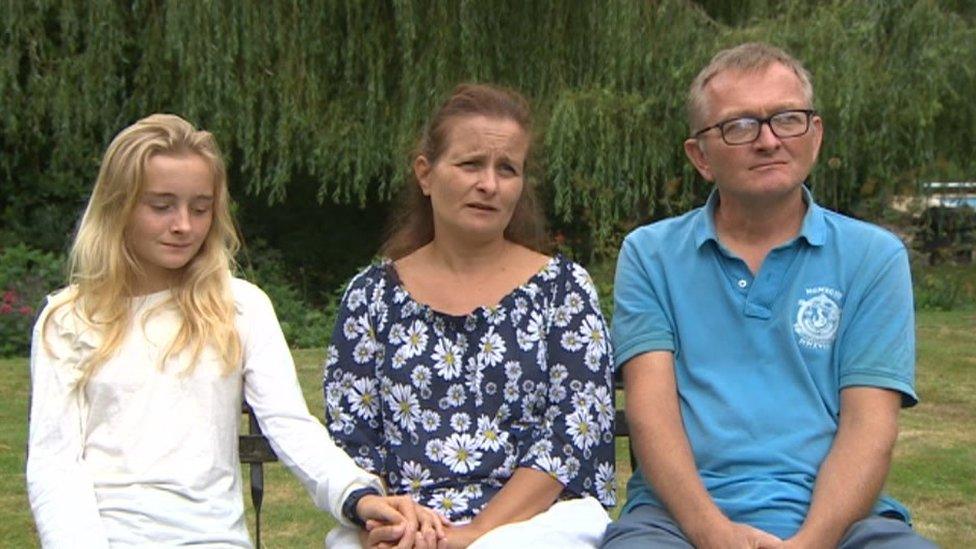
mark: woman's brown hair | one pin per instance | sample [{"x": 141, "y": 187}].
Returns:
[{"x": 412, "y": 225}]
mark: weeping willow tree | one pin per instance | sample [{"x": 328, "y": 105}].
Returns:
[{"x": 329, "y": 95}]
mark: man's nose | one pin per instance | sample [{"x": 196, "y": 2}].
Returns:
[{"x": 767, "y": 138}]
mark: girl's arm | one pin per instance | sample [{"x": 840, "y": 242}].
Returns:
[
  {"x": 271, "y": 387},
  {"x": 59, "y": 486}
]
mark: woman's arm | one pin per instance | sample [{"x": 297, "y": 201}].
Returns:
[
  {"x": 526, "y": 494},
  {"x": 59, "y": 486}
]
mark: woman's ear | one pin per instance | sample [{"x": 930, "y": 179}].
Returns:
[{"x": 421, "y": 170}]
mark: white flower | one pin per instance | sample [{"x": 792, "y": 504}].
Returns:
[
  {"x": 461, "y": 453},
  {"x": 557, "y": 373},
  {"x": 331, "y": 356},
  {"x": 356, "y": 298},
  {"x": 581, "y": 427},
  {"x": 592, "y": 333},
  {"x": 397, "y": 334},
  {"x": 495, "y": 315},
  {"x": 413, "y": 476},
  {"x": 561, "y": 316},
  {"x": 584, "y": 281},
  {"x": 416, "y": 339},
  {"x": 420, "y": 377},
  {"x": 603, "y": 404},
  {"x": 378, "y": 291},
  {"x": 364, "y": 462},
  {"x": 449, "y": 502},
  {"x": 456, "y": 395},
  {"x": 513, "y": 370},
  {"x": 511, "y": 391},
  {"x": 364, "y": 397},
  {"x": 557, "y": 393},
  {"x": 364, "y": 350},
  {"x": 574, "y": 302},
  {"x": 399, "y": 295},
  {"x": 555, "y": 467},
  {"x": 606, "y": 483},
  {"x": 447, "y": 359},
  {"x": 489, "y": 435},
  {"x": 430, "y": 420},
  {"x": 580, "y": 399},
  {"x": 352, "y": 328},
  {"x": 593, "y": 361},
  {"x": 535, "y": 329},
  {"x": 435, "y": 449},
  {"x": 404, "y": 405},
  {"x": 460, "y": 421},
  {"x": 571, "y": 341},
  {"x": 492, "y": 348}
]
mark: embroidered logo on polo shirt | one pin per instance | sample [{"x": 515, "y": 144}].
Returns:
[{"x": 817, "y": 318}]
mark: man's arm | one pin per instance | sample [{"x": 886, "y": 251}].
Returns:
[
  {"x": 852, "y": 475},
  {"x": 661, "y": 446}
]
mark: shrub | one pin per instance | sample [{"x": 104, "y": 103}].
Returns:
[
  {"x": 303, "y": 323},
  {"x": 26, "y": 277}
]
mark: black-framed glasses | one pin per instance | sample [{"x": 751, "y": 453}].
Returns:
[{"x": 743, "y": 130}]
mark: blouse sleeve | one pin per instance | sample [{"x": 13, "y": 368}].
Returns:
[
  {"x": 350, "y": 383},
  {"x": 59, "y": 485},
  {"x": 300, "y": 441},
  {"x": 576, "y": 434}
]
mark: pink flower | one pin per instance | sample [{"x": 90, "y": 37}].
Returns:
[
  {"x": 10, "y": 297},
  {"x": 6, "y": 309},
  {"x": 25, "y": 310}
]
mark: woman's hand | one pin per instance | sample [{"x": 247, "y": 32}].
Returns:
[
  {"x": 459, "y": 537},
  {"x": 400, "y": 522}
]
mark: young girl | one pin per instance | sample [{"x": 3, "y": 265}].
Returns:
[{"x": 139, "y": 365}]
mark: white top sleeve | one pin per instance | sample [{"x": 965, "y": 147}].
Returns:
[
  {"x": 271, "y": 387},
  {"x": 59, "y": 485}
]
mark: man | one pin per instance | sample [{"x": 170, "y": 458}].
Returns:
[{"x": 767, "y": 344}]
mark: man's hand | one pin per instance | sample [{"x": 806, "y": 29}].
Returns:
[
  {"x": 734, "y": 535},
  {"x": 400, "y": 522}
]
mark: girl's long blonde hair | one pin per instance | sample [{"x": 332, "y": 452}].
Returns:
[{"x": 104, "y": 272}]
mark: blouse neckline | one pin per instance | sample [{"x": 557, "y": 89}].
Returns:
[{"x": 523, "y": 288}]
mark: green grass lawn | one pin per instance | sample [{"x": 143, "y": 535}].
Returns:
[{"x": 934, "y": 471}]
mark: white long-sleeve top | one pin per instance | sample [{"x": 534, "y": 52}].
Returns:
[{"x": 143, "y": 455}]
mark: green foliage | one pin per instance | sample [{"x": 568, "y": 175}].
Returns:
[
  {"x": 944, "y": 287},
  {"x": 325, "y": 96},
  {"x": 304, "y": 324},
  {"x": 27, "y": 275}
]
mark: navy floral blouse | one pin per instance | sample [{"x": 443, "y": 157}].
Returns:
[{"x": 446, "y": 407}]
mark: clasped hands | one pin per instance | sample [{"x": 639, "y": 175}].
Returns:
[{"x": 400, "y": 522}]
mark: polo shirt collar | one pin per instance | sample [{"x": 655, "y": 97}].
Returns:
[{"x": 813, "y": 230}]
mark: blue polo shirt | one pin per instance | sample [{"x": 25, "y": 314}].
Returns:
[{"x": 760, "y": 360}]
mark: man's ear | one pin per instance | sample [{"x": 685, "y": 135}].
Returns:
[
  {"x": 818, "y": 133},
  {"x": 696, "y": 153},
  {"x": 421, "y": 170}
]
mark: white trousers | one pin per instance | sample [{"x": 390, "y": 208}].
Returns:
[{"x": 575, "y": 523}]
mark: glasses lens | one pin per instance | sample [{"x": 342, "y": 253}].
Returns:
[
  {"x": 789, "y": 123},
  {"x": 740, "y": 130}
]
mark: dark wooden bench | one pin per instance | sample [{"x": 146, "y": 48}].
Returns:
[{"x": 256, "y": 451}]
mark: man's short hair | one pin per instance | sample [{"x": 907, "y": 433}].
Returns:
[{"x": 748, "y": 57}]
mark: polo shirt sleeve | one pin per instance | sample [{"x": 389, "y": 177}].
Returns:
[
  {"x": 640, "y": 323},
  {"x": 878, "y": 344}
]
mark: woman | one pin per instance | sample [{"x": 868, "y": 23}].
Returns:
[
  {"x": 138, "y": 367},
  {"x": 467, "y": 368}
]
